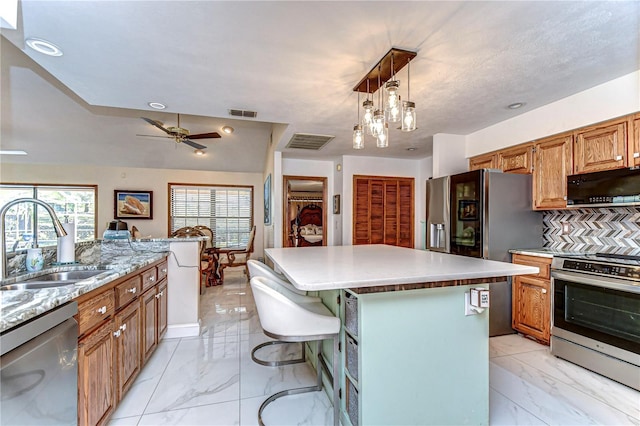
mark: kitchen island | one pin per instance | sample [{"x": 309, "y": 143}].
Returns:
[{"x": 411, "y": 355}]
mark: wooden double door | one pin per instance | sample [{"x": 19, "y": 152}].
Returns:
[{"x": 383, "y": 210}]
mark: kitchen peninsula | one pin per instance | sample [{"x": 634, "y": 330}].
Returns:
[{"x": 411, "y": 355}]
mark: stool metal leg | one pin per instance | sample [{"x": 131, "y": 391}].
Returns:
[
  {"x": 316, "y": 388},
  {"x": 277, "y": 363}
]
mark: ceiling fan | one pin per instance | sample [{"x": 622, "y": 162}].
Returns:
[{"x": 181, "y": 135}]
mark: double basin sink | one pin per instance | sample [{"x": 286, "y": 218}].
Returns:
[{"x": 53, "y": 279}]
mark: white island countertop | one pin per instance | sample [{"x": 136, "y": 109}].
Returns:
[{"x": 337, "y": 267}]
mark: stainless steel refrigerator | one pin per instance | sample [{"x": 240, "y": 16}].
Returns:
[{"x": 484, "y": 213}]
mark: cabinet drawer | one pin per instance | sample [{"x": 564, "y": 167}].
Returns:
[
  {"x": 127, "y": 291},
  {"x": 162, "y": 270},
  {"x": 351, "y": 314},
  {"x": 149, "y": 279},
  {"x": 543, "y": 263},
  {"x": 95, "y": 310}
]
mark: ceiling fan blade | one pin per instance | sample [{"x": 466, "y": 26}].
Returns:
[
  {"x": 156, "y": 124},
  {"x": 155, "y": 136},
  {"x": 212, "y": 135},
  {"x": 193, "y": 144}
]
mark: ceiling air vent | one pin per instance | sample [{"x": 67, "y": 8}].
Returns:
[
  {"x": 308, "y": 141},
  {"x": 243, "y": 113}
]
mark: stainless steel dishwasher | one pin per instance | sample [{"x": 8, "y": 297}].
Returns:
[{"x": 39, "y": 370}]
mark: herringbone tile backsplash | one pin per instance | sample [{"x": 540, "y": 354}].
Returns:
[{"x": 612, "y": 230}]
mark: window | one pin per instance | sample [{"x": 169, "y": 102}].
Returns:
[
  {"x": 227, "y": 210},
  {"x": 25, "y": 225}
]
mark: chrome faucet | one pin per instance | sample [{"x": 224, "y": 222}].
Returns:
[{"x": 60, "y": 232}]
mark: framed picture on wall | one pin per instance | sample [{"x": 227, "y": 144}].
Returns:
[
  {"x": 267, "y": 200},
  {"x": 132, "y": 204}
]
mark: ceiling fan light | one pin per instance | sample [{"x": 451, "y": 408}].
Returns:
[
  {"x": 199, "y": 152},
  {"x": 358, "y": 137},
  {"x": 408, "y": 116}
]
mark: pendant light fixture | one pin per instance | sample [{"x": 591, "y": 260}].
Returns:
[
  {"x": 408, "y": 107},
  {"x": 358, "y": 134},
  {"x": 390, "y": 108}
]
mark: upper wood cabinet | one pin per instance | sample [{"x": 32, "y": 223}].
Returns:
[
  {"x": 634, "y": 141},
  {"x": 484, "y": 161},
  {"x": 383, "y": 210},
  {"x": 552, "y": 164},
  {"x": 518, "y": 159},
  {"x": 601, "y": 147}
]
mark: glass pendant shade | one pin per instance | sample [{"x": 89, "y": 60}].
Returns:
[
  {"x": 392, "y": 100},
  {"x": 378, "y": 122},
  {"x": 383, "y": 137},
  {"x": 394, "y": 114},
  {"x": 358, "y": 137},
  {"x": 367, "y": 119},
  {"x": 408, "y": 116}
]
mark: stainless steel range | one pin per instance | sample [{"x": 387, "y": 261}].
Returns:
[{"x": 596, "y": 314}]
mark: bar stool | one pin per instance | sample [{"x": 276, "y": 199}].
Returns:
[
  {"x": 279, "y": 283},
  {"x": 287, "y": 321},
  {"x": 259, "y": 269}
]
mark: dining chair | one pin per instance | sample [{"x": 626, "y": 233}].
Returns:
[{"x": 237, "y": 257}]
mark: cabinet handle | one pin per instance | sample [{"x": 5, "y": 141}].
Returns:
[
  {"x": 544, "y": 291},
  {"x": 636, "y": 155},
  {"x": 164, "y": 270},
  {"x": 102, "y": 310},
  {"x": 117, "y": 333},
  {"x": 158, "y": 295},
  {"x": 123, "y": 327},
  {"x": 132, "y": 290},
  {"x": 618, "y": 157},
  {"x": 152, "y": 279}
]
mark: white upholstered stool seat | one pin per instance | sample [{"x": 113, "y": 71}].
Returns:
[
  {"x": 259, "y": 269},
  {"x": 288, "y": 321},
  {"x": 279, "y": 283}
]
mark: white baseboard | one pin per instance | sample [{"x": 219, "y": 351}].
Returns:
[{"x": 182, "y": 330}]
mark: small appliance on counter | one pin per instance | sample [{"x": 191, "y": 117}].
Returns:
[{"x": 117, "y": 230}]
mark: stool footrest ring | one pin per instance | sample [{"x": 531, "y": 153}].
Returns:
[
  {"x": 285, "y": 393},
  {"x": 277, "y": 363}
]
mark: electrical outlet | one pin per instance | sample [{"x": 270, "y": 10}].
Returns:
[{"x": 566, "y": 228}]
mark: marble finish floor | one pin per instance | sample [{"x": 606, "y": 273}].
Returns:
[{"x": 211, "y": 380}]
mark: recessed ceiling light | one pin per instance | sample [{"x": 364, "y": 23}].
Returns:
[
  {"x": 227, "y": 129},
  {"x": 516, "y": 105},
  {"x": 43, "y": 46},
  {"x": 411, "y": 148},
  {"x": 157, "y": 105},
  {"x": 13, "y": 152},
  {"x": 199, "y": 152}
]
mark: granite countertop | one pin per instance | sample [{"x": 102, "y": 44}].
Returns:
[
  {"x": 18, "y": 306},
  {"x": 336, "y": 267}
]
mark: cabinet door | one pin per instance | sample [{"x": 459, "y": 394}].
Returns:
[
  {"x": 96, "y": 393},
  {"x": 162, "y": 298},
  {"x": 552, "y": 165},
  {"x": 148, "y": 315},
  {"x": 360, "y": 211},
  {"x": 532, "y": 307},
  {"x": 391, "y": 205},
  {"x": 634, "y": 142},
  {"x": 127, "y": 338},
  {"x": 376, "y": 212},
  {"x": 516, "y": 160},
  {"x": 601, "y": 148},
  {"x": 484, "y": 161},
  {"x": 406, "y": 213}
]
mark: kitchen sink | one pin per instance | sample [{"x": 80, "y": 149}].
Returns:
[
  {"x": 36, "y": 285},
  {"x": 53, "y": 279},
  {"x": 67, "y": 276}
]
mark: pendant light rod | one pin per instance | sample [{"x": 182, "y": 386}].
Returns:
[{"x": 384, "y": 69}]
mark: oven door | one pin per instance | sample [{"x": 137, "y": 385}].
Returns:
[{"x": 602, "y": 309}]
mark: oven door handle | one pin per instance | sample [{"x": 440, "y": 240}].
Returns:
[{"x": 612, "y": 283}]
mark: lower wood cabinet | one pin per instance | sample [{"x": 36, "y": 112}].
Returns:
[
  {"x": 96, "y": 390},
  {"x": 531, "y": 302},
  {"x": 120, "y": 328}
]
